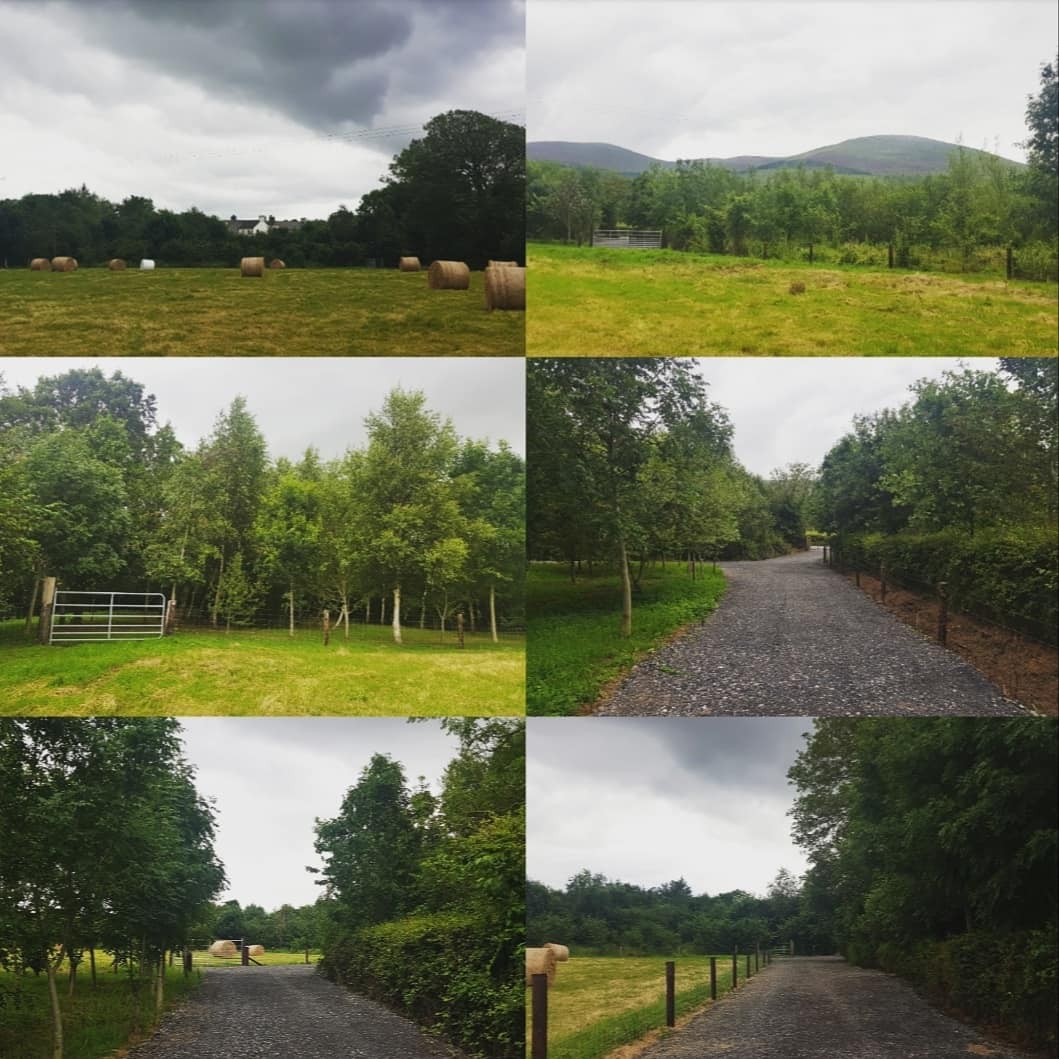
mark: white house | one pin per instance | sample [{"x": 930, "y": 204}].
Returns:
[{"x": 262, "y": 226}]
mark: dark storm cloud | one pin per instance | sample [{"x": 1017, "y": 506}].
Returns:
[{"x": 324, "y": 63}]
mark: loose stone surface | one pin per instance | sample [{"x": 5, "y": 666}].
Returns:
[
  {"x": 276, "y": 1012},
  {"x": 793, "y": 638},
  {"x": 820, "y": 1007}
]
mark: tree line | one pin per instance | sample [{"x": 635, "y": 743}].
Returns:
[
  {"x": 933, "y": 845},
  {"x": 418, "y": 525},
  {"x": 457, "y": 192},
  {"x": 425, "y": 895},
  {"x": 954, "y": 219},
  {"x": 629, "y": 460},
  {"x": 607, "y": 917},
  {"x": 105, "y": 846}
]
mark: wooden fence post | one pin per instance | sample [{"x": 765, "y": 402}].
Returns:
[
  {"x": 757, "y": 959},
  {"x": 327, "y": 627},
  {"x": 459, "y": 628},
  {"x": 735, "y": 969},
  {"x": 856, "y": 576},
  {"x": 170, "y": 617},
  {"x": 882, "y": 582},
  {"x": 826, "y": 563},
  {"x": 539, "y": 1025},
  {"x": 47, "y": 606},
  {"x": 748, "y": 966},
  {"x": 943, "y": 612},
  {"x": 306, "y": 953},
  {"x": 187, "y": 960},
  {"x": 244, "y": 952},
  {"x": 671, "y": 993},
  {"x": 713, "y": 977}
]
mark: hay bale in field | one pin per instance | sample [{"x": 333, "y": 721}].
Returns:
[
  {"x": 562, "y": 953},
  {"x": 116, "y": 264},
  {"x": 797, "y": 288},
  {"x": 40, "y": 264},
  {"x": 540, "y": 961},
  {"x": 502, "y": 264},
  {"x": 255, "y": 950},
  {"x": 409, "y": 264},
  {"x": 277, "y": 263},
  {"x": 252, "y": 266},
  {"x": 448, "y": 275},
  {"x": 147, "y": 264},
  {"x": 505, "y": 288},
  {"x": 224, "y": 949},
  {"x": 63, "y": 264}
]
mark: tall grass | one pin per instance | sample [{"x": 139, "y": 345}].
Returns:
[{"x": 575, "y": 646}]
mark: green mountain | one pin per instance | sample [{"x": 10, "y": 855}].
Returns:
[{"x": 864, "y": 156}]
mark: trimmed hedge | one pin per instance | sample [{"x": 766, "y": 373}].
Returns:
[
  {"x": 1009, "y": 575},
  {"x": 1006, "y": 980},
  {"x": 444, "y": 971}
]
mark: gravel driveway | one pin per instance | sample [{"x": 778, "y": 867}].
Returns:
[
  {"x": 281, "y": 1012},
  {"x": 791, "y": 637},
  {"x": 822, "y": 1008}
]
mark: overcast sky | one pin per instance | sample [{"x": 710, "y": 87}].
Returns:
[
  {"x": 649, "y": 800},
  {"x": 241, "y": 106},
  {"x": 302, "y": 401},
  {"x": 271, "y": 777},
  {"x": 793, "y": 409},
  {"x": 681, "y": 79}
]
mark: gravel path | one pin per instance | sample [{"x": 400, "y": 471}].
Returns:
[
  {"x": 821, "y": 1008},
  {"x": 276, "y": 1012},
  {"x": 792, "y": 637}
]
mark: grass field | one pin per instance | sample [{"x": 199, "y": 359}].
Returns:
[
  {"x": 218, "y": 312},
  {"x": 96, "y": 1021},
  {"x": 575, "y": 647},
  {"x": 590, "y": 302},
  {"x": 599, "y": 1003},
  {"x": 264, "y": 672}
]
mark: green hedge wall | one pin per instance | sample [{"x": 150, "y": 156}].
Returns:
[
  {"x": 444, "y": 971},
  {"x": 1009, "y": 575}
]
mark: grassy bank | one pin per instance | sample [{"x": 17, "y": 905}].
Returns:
[
  {"x": 96, "y": 1019},
  {"x": 599, "y": 1003},
  {"x": 591, "y": 302},
  {"x": 575, "y": 645},
  {"x": 218, "y": 312},
  {"x": 264, "y": 672}
]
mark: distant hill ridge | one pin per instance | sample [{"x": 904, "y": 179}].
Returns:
[{"x": 861, "y": 156}]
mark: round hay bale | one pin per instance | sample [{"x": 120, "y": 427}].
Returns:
[
  {"x": 505, "y": 288},
  {"x": 256, "y": 950},
  {"x": 797, "y": 288},
  {"x": 224, "y": 949},
  {"x": 277, "y": 263},
  {"x": 502, "y": 264},
  {"x": 540, "y": 961},
  {"x": 448, "y": 275},
  {"x": 409, "y": 264},
  {"x": 147, "y": 264},
  {"x": 562, "y": 953},
  {"x": 116, "y": 264},
  {"x": 252, "y": 266},
  {"x": 63, "y": 264},
  {"x": 40, "y": 264}
]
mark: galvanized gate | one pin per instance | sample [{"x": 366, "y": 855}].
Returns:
[
  {"x": 85, "y": 617},
  {"x": 627, "y": 239}
]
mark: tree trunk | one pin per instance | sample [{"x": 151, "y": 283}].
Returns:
[
  {"x": 345, "y": 616},
  {"x": 492, "y": 611},
  {"x": 626, "y": 589},
  {"x": 367, "y": 611},
  {"x": 32, "y": 605},
  {"x": 73, "y": 977},
  {"x": 56, "y": 1012},
  {"x": 382, "y": 610},
  {"x": 217, "y": 595},
  {"x": 292, "y": 610},
  {"x": 159, "y": 997},
  {"x": 92, "y": 966},
  {"x": 396, "y": 613},
  {"x": 423, "y": 610}
]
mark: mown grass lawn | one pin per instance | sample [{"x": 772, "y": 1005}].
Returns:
[
  {"x": 599, "y": 1003},
  {"x": 218, "y": 312},
  {"x": 96, "y": 1020},
  {"x": 574, "y": 642},
  {"x": 265, "y": 672},
  {"x": 595, "y": 302}
]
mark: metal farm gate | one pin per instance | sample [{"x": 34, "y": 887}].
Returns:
[
  {"x": 627, "y": 239},
  {"x": 85, "y": 617}
]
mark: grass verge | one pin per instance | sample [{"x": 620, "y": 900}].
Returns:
[
  {"x": 599, "y": 1003},
  {"x": 592, "y": 302},
  {"x": 575, "y": 646},
  {"x": 217, "y": 312},
  {"x": 265, "y": 672},
  {"x": 96, "y": 1019}
]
